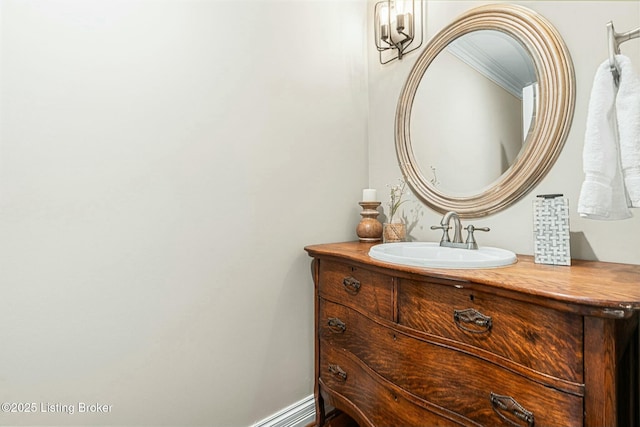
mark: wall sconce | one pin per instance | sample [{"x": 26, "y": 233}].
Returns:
[{"x": 398, "y": 28}]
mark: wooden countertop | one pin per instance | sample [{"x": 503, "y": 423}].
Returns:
[{"x": 609, "y": 289}]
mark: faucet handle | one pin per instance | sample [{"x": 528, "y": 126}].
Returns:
[
  {"x": 445, "y": 232},
  {"x": 471, "y": 240}
]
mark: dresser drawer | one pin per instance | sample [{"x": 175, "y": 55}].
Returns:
[
  {"x": 540, "y": 338},
  {"x": 356, "y": 287},
  {"x": 343, "y": 377},
  {"x": 464, "y": 384}
]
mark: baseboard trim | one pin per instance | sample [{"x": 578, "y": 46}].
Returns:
[{"x": 300, "y": 414}]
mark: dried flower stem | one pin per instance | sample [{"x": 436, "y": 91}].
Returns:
[{"x": 396, "y": 194}]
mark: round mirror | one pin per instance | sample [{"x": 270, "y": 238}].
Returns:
[{"x": 485, "y": 110}]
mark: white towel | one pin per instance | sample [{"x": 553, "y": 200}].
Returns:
[
  {"x": 628, "y": 114},
  {"x": 603, "y": 195}
]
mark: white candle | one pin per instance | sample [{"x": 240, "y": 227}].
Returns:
[{"x": 369, "y": 195}]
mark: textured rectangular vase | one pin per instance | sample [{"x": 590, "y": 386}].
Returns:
[{"x": 551, "y": 230}]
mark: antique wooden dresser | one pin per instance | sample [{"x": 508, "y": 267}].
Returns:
[{"x": 523, "y": 345}]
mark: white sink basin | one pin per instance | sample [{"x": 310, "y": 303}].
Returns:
[{"x": 429, "y": 254}]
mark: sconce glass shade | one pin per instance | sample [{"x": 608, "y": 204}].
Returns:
[{"x": 397, "y": 28}]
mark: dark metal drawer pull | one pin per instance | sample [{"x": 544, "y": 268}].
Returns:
[
  {"x": 336, "y": 325},
  {"x": 471, "y": 316},
  {"x": 508, "y": 404},
  {"x": 338, "y": 372},
  {"x": 351, "y": 285}
]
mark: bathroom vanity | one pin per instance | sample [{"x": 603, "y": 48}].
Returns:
[{"x": 522, "y": 345}]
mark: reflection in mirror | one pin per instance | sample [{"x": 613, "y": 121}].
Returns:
[{"x": 472, "y": 111}]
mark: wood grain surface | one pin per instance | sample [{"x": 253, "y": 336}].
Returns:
[
  {"x": 524, "y": 345},
  {"x": 610, "y": 289}
]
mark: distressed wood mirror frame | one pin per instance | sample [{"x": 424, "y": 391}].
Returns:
[{"x": 556, "y": 89}]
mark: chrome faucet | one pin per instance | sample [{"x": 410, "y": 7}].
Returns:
[
  {"x": 470, "y": 243},
  {"x": 457, "y": 226}
]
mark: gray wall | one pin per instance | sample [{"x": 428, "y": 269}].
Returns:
[{"x": 162, "y": 165}]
